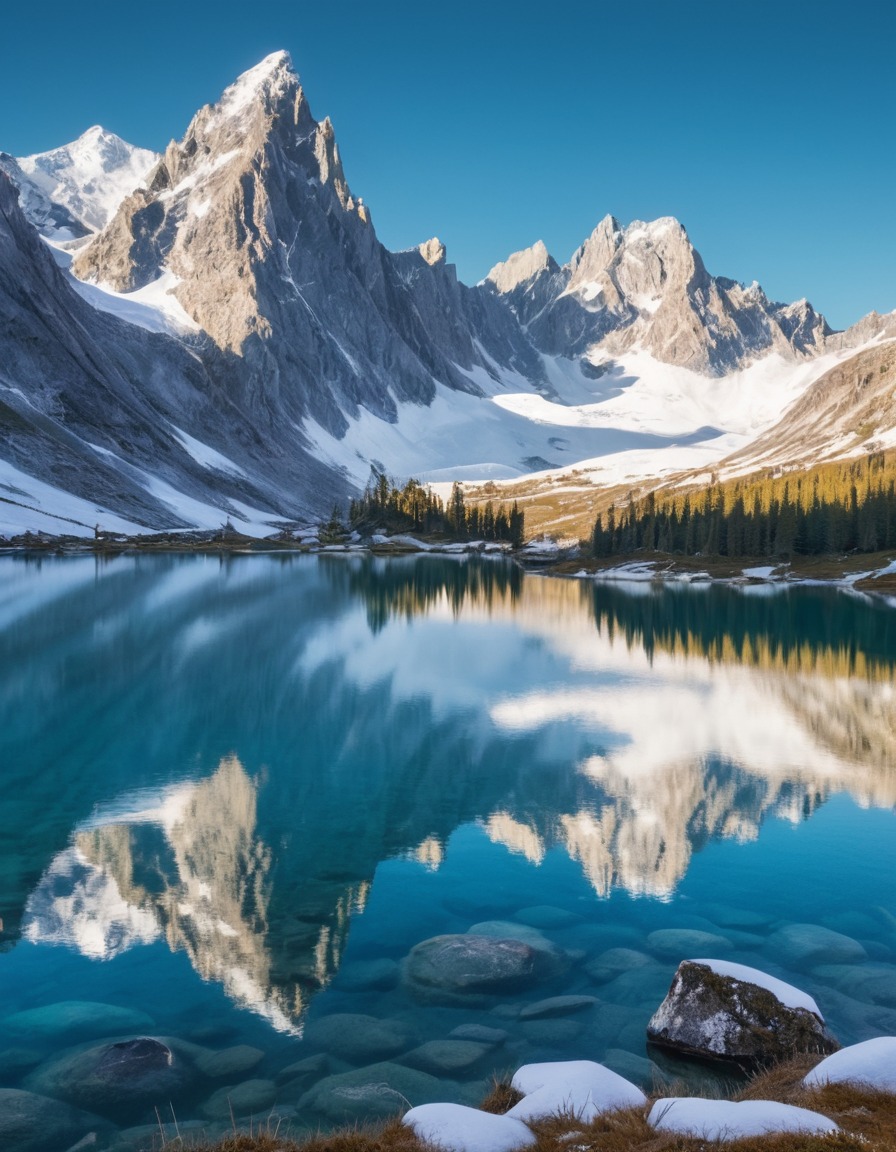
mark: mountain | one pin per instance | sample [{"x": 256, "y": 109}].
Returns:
[
  {"x": 94, "y": 412},
  {"x": 87, "y": 179},
  {"x": 265, "y": 350},
  {"x": 279, "y": 264},
  {"x": 646, "y": 287},
  {"x": 849, "y": 411}
]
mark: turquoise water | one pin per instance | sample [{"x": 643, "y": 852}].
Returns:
[{"x": 238, "y": 792}]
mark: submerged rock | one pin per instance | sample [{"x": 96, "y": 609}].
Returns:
[
  {"x": 676, "y": 943},
  {"x": 808, "y": 945},
  {"x": 229, "y": 1062},
  {"x": 448, "y": 1057},
  {"x": 82, "y": 1018},
  {"x": 248, "y": 1098},
  {"x": 480, "y": 1033},
  {"x": 547, "y": 916},
  {"x": 557, "y": 1006},
  {"x": 368, "y": 975},
  {"x": 477, "y": 965},
  {"x": 357, "y": 1038},
  {"x": 114, "y": 1078},
  {"x": 375, "y": 1092},
  {"x": 33, "y": 1123},
  {"x": 721, "y": 1011}
]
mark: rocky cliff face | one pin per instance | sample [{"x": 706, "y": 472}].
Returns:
[
  {"x": 279, "y": 263},
  {"x": 298, "y": 339},
  {"x": 646, "y": 287},
  {"x": 97, "y": 407},
  {"x": 849, "y": 411}
]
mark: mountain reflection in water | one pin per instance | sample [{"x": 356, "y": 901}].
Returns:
[{"x": 239, "y": 745}]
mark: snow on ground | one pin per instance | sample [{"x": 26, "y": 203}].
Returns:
[
  {"x": 30, "y": 505},
  {"x": 872, "y": 1062},
  {"x": 724, "y": 1120},
  {"x": 580, "y": 1087},
  {"x": 154, "y": 307},
  {"x": 462, "y": 1129},
  {"x": 789, "y": 996},
  {"x": 206, "y": 456},
  {"x": 761, "y": 572}
]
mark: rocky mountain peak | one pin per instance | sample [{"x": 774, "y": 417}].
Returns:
[
  {"x": 522, "y": 267},
  {"x": 433, "y": 251}
]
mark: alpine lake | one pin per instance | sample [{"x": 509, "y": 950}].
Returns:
[{"x": 238, "y": 792}]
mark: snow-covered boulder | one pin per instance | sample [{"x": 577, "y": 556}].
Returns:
[
  {"x": 871, "y": 1064},
  {"x": 580, "y": 1087},
  {"x": 725, "y": 1120},
  {"x": 461, "y": 1129},
  {"x": 719, "y": 1010}
]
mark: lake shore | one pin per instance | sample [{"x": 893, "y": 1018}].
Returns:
[{"x": 859, "y": 572}]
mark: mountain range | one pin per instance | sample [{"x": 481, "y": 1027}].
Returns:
[{"x": 216, "y": 333}]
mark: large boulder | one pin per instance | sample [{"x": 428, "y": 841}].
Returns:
[
  {"x": 717, "y": 1010},
  {"x": 457, "y": 968},
  {"x": 33, "y": 1123},
  {"x": 114, "y": 1079}
]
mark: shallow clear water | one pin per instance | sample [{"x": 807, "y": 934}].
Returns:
[{"x": 237, "y": 793}]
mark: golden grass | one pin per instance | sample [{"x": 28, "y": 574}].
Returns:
[{"x": 867, "y": 1120}]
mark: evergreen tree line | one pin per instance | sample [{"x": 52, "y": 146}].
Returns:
[
  {"x": 831, "y": 508},
  {"x": 415, "y": 508}
]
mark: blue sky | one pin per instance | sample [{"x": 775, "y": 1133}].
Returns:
[{"x": 768, "y": 127}]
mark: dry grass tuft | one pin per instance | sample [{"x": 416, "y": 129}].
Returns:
[
  {"x": 501, "y": 1097},
  {"x": 867, "y": 1120},
  {"x": 391, "y": 1136}
]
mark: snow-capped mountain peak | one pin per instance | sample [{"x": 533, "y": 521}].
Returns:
[
  {"x": 90, "y": 176},
  {"x": 270, "y": 80}
]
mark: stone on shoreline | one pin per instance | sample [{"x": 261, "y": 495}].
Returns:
[
  {"x": 725, "y": 1120},
  {"x": 721, "y": 1011},
  {"x": 460, "y": 1129},
  {"x": 581, "y": 1088},
  {"x": 871, "y": 1064}
]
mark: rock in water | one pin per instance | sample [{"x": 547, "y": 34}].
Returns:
[
  {"x": 357, "y": 1038},
  {"x": 113, "y": 1079},
  {"x": 453, "y": 967},
  {"x": 721, "y": 1011},
  {"x": 32, "y": 1123},
  {"x": 81, "y": 1019}
]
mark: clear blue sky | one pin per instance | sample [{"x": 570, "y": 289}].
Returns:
[{"x": 768, "y": 127}]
